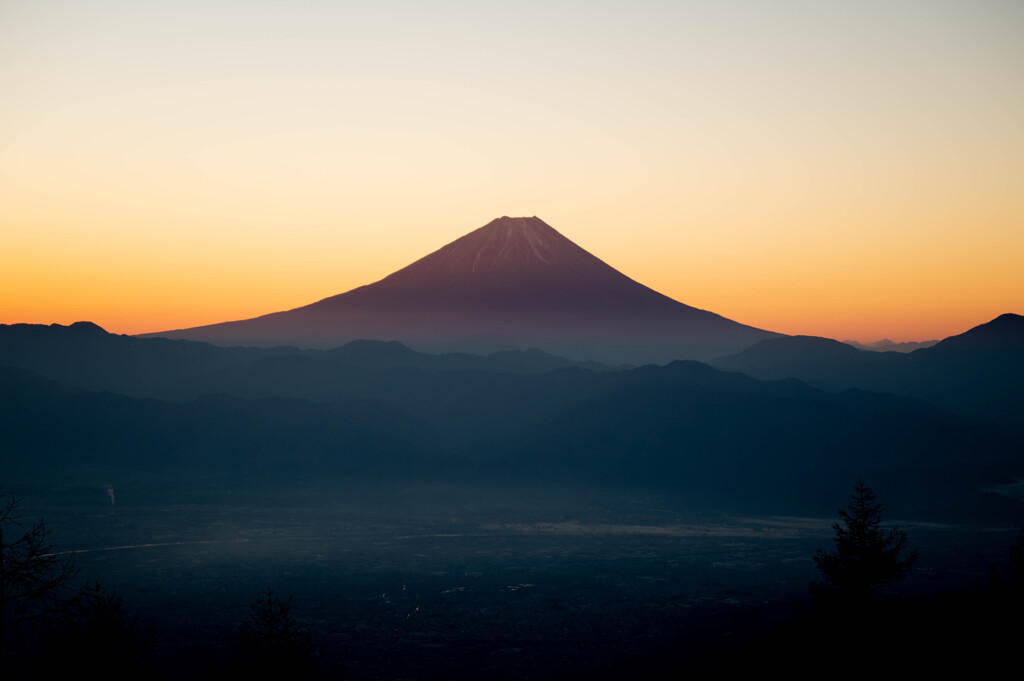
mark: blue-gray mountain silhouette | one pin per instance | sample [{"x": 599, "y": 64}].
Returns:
[{"x": 977, "y": 373}]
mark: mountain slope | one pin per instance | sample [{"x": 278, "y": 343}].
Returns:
[{"x": 514, "y": 283}]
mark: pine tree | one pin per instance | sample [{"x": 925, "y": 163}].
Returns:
[
  {"x": 33, "y": 576},
  {"x": 866, "y": 555},
  {"x": 99, "y": 635},
  {"x": 271, "y": 643}
]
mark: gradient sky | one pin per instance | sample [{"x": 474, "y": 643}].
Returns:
[{"x": 845, "y": 169}]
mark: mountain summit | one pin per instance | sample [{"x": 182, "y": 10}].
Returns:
[
  {"x": 513, "y": 283},
  {"x": 505, "y": 247}
]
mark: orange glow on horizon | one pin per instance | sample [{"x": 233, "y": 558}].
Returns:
[{"x": 828, "y": 170}]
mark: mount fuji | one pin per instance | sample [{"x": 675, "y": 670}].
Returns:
[{"x": 513, "y": 283}]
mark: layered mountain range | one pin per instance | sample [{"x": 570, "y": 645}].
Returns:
[
  {"x": 76, "y": 400},
  {"x": 515, "y": 283}
]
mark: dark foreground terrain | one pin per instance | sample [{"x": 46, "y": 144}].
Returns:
[{"x": 436, "y": 580}]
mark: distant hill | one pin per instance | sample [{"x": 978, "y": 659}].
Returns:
[
  {"x": 515, "y": 283},
  {"x": 886, "y": 345}
]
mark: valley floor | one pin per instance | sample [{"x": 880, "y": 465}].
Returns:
[{"x": 435, "y": 580}]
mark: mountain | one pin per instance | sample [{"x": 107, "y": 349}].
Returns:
[
  {"x": 1003, "y": 336},
  {"x": 978, "y": 373},
  {"x": 514, "y": 283}
]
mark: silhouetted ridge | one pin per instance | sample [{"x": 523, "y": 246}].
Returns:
[
  {"x": 86, "y": 327},
  {"x": 1004, "y": 333}
]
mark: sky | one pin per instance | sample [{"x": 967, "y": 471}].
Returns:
[{"x": 850, "y": 170}]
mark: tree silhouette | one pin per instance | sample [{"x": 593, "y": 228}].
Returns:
[
  {"x": 98, "y": 635},
  {"x": 866, "y": 555},
  {"x": 33, "y": 578},
  {"x": 271, "y": 643},
  {"x": 1016, "y": 573}
]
